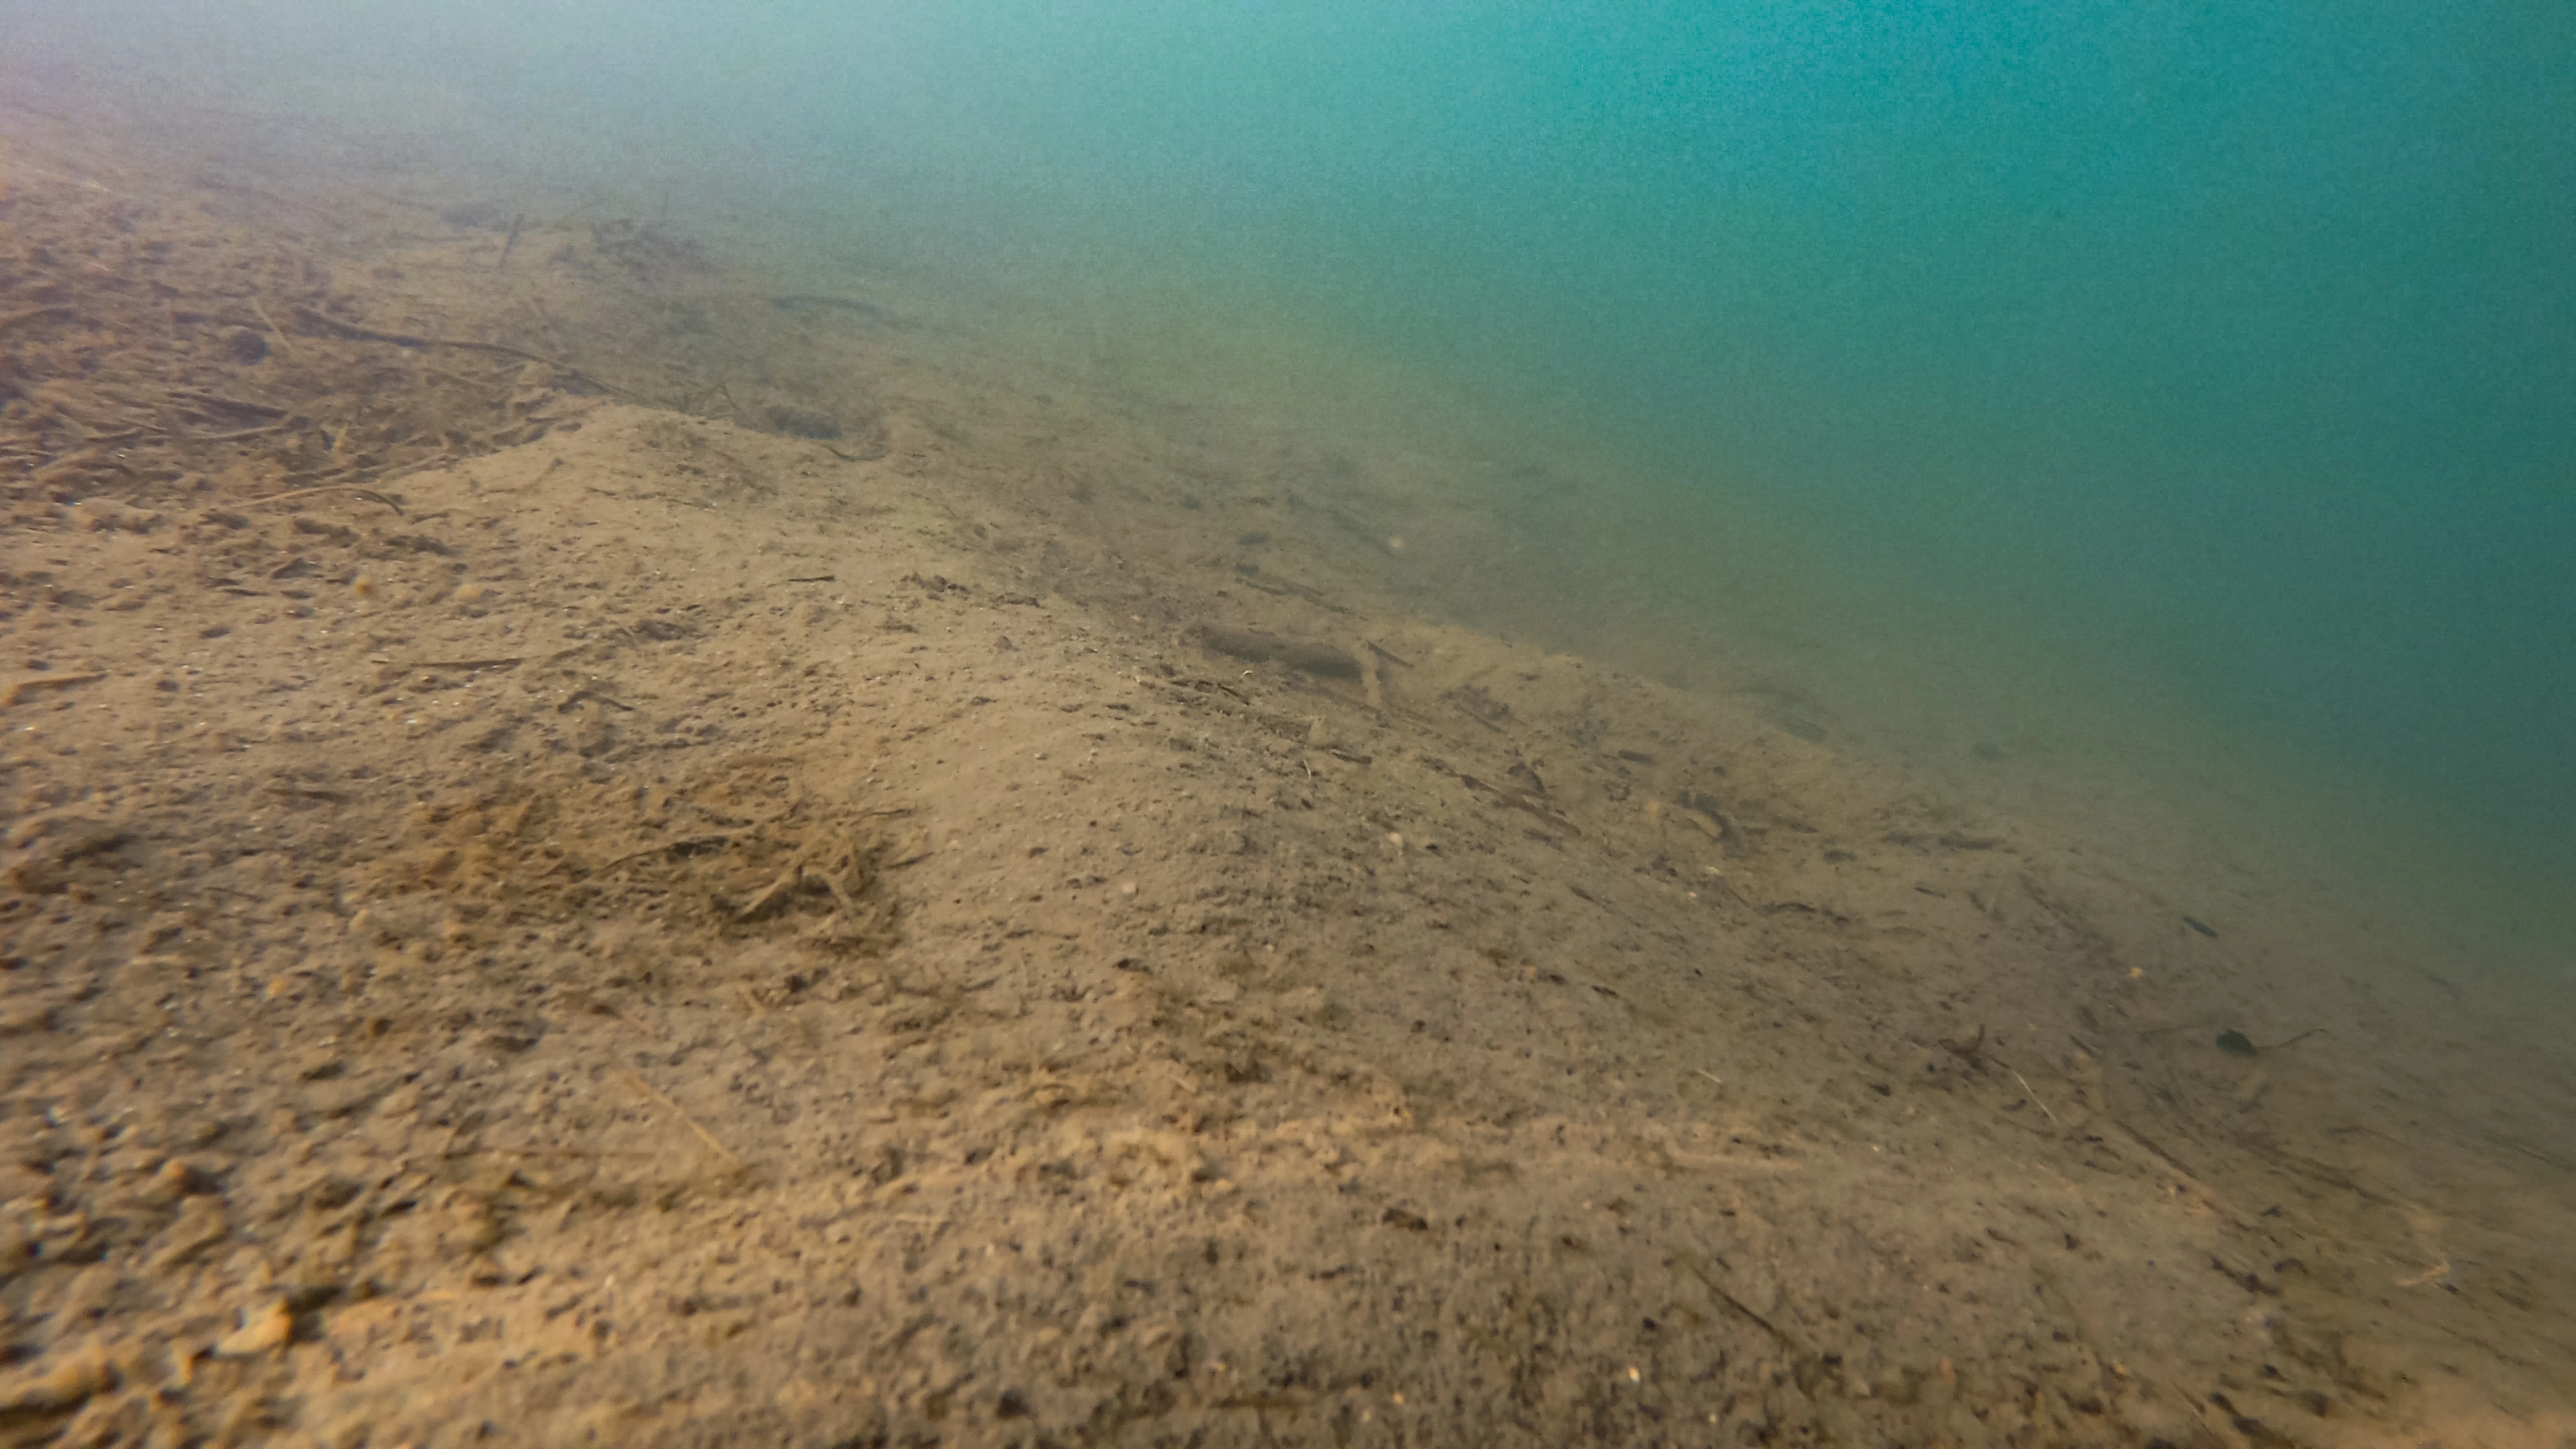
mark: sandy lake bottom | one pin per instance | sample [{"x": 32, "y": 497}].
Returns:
[{"x": 600, "y": 848}]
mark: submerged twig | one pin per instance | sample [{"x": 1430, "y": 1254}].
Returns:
[
  {"x": 2034, "y": 1096},
  {"x": 709, "y": 1138},
  {"x": 274, "y": 330},
  {"x": 412, "y": 339},
  {"x": 369, "y": 494},
  {"x": 25, "y": 687},
  {"x": 34, "y": 314}
]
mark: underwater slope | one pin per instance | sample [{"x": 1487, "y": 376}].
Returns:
[{"x": 653, "y": 929}]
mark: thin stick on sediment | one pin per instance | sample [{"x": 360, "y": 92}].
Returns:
[
  {"x": 274, "y": 330},
  {"x": 359, "y": 489},
  {"x": 705, "y": 1136},
  {"x": 2034, "y": 1096}
]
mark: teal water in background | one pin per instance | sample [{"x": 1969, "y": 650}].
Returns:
[{"x": 2209, "y": 358}]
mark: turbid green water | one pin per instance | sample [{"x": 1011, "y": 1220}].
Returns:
[{"x": 2183, "y": 388}]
